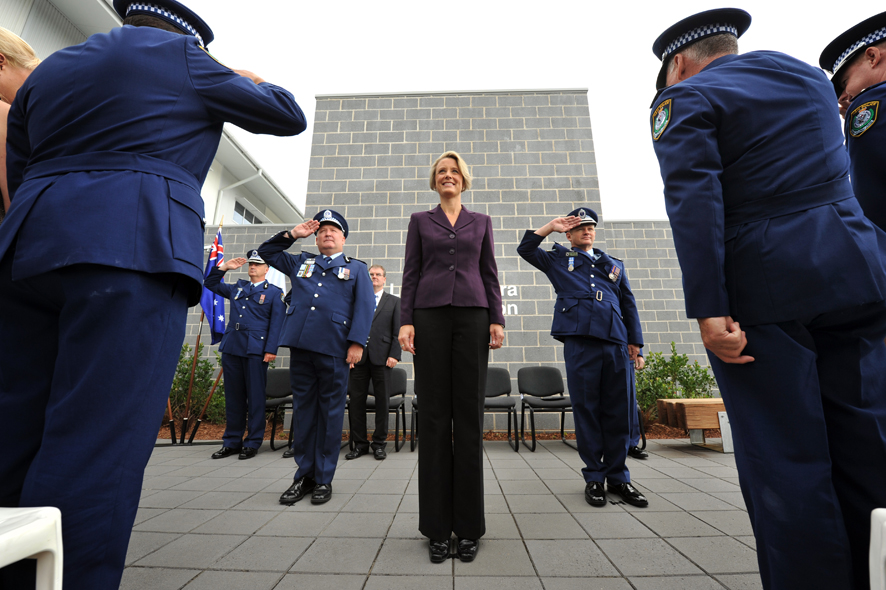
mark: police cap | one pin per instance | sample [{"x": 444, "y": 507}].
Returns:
[
  {"x": 333, "y": 217},
  {"x": 587, "y": 216},
  {"x": 732, "y": 21},
  {"x": 841, "y": 50},
  {"x": 254, "y": 257},
  {"x": 175, "y": 13}
]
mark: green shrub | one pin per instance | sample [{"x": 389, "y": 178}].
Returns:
[
  {"x": 204, "y": 377},
  {"x": 665, "y": 378}
]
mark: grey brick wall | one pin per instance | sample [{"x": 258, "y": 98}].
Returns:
[{"x": 532, "y": 157}]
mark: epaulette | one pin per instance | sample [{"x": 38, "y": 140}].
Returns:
[
  {"x": 615, "y": 258},
  {"x": 349, "y": 259}
]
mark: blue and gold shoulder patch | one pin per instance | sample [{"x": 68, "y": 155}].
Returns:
[
  {"x": 863, "y": 118},
  {"x": 213, "y": 57},
  {"x": 661, "y": 116}
]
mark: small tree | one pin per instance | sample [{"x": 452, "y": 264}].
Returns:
[
  {"x": 665, "y": 378},
  {"x": 204, "y": 377}
]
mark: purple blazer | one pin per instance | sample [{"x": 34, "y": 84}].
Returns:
[{"x": 450, "y": 266}]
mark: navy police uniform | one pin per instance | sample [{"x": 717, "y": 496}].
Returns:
[
  {"x": 332, "y": 307},
  {"x": 595, "y": 316},
  {"x": 767, "y": 231},
  {"x": 864, "y": 129},
  {"x": 254, "y": 324},
  {"x": 101, "y": 253}
]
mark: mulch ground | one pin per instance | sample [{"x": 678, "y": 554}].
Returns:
[{"x": 215, "y": 432}]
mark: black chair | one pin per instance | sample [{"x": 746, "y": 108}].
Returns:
[
  {"x": 541, "y": 390},
  {"x": 498, "y": 399},
  {"x": 278, "y": 394},
  {"x": 396, "y": 403},
  {"x": 498, "y": 384}
]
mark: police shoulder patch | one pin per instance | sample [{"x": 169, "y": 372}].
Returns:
[
  {"x": 215, "y": 60},
  {"x": 661, "y": 116},
  {"x": 863, "y": 118}
]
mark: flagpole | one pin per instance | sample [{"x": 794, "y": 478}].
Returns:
[{"x": 191, "y": 384}]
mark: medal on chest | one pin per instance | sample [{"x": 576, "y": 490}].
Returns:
[
  {"x": 261, "y": 299},
  {"x": 613, "y": 273},
  {"x": 239, "y": 292},
  {"x": 570, "y": 256},
  {"x": 344, "y": 273},
  {"x": 306, "y": 269}
]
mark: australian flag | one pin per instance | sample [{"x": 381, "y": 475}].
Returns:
[{"x": 214, "y": 305}]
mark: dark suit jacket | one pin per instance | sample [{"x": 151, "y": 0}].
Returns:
[
  {"x": 448, "y": 265},
  {"x": 108, "y": 144},
  {"x": 383, "y": 334}
]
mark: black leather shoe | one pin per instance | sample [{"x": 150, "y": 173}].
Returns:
[
  {"x": 358, "y": 452},
  {"x": 380, "y": 454},
  {"x": 438, "y": 550},
  {"x": 629, "y": 494},
  {"x": 288, "y": 453},
  {"x": 594, "y": 494},
  {"x": 637, "y": 453},
  {"x": 322, "y": 493},
  {"x": 226, "y": 452},
  {"x": 467, "y": 549},
  {"x": 247, "y": 453},
  {"x": 298, "y": 490}
]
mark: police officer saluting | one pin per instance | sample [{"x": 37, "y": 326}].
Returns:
[
  {"x": 249, "y": 344},
  {"x": 596, "y": 318},
  {"x": 326, "y": 328},
  {"x": 769, "y": 234},
  {"x": 857, "y": 60}
]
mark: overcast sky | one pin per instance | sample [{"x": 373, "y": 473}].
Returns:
[{"x": 347, "y": 47}]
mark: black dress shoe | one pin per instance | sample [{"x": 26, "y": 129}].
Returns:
[
  {"x": 380, "y": 454},
  {"x": 594, "y": 494},
  {"x": 357, "y": 452},
  {"x": 298, "y": 490},
  {"x": 637, "y": 453},
  {"x": 247, "y": 453},
  {"x": 322, "y": 493},
  {"x": 467, "y": 549},
  {"x": 438, "y": 550},
  {"x": 629, "y": 494},
  {"x": 289, "y": 453},
  {"x": 226, "y": 452}
]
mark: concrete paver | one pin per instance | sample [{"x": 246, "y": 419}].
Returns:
[{"x": 218, "y": 525}]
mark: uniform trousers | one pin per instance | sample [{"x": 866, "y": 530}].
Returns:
[
  {"x": 245, "y": 380},
  {"x": 808, "y": 421},
  {"x": 599, "y": 383},
  {"x": 358, "y": 386},
  {"x": 633, "y": 415},
  {"x": 87, "y": 357},
  {"x": 319, "y": 390},
  {"x": 452, "y": 355}
]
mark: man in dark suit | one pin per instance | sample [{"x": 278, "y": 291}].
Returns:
[
  {"x": 379, "y": 359},
  {"x": 101, "y": 254}
]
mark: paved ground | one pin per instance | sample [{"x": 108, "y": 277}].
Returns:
[{"x": 214, "y": 525}]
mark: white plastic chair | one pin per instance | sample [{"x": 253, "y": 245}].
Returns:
[
  {"x": 877, "y": 555},
  {"x": 33, "y": 533}
]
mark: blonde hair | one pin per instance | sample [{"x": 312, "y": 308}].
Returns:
[
  {"x": 462, "y": 167},
  {"x": 18, "y": 53}
]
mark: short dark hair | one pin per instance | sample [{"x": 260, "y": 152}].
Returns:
[
  {"x": 143, "y": 20},
  {"x": 384, "y": 273}
]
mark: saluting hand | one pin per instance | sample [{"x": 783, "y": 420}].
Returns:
[
  {"x": 232, "y": 264},
  {"x": 303, "y": 230},
  {"x": 564, "y": 224},
  {"x": 725, "y": 338},
  {"x": 496, "y": 336},
  {"x": 407, "y": 338}
]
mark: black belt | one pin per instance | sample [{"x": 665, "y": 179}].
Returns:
[{"x": 790, "y": 202}]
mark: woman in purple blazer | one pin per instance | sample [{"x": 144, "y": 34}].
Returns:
[{"x": 451, "y": 312}]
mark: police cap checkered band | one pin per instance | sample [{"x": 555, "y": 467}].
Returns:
[
  {"x": 865, "y": 41},
  {"x": 696, "y": 34},
  {"x": 166, "y": 14}
]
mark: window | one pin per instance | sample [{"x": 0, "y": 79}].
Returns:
[{"x": 243, "y": 216}]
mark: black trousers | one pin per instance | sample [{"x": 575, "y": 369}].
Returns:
[
  {"x": 358, "y": 387},
  {"x": 452, "y": 354}
]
